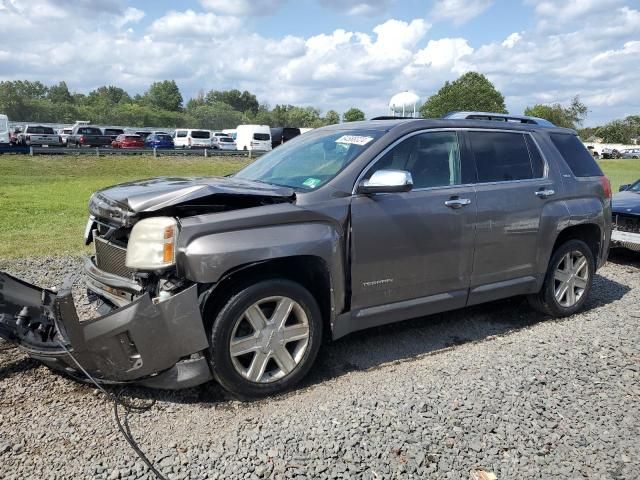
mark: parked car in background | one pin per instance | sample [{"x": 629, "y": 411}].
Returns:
[
  {"x": 191, "y": 138},
  {"x": 64, "y": 134},
  {"x": 231, "y": 132},
  {"x": 87, "y": 136},
  {"x": 610, "y": 153},
  {"x": 223, "y": 142},
  {"x": 253, "y": 137},
  {"x": 625, "y": 206},
  {"x": 143, "y": 133},
  {"x": 128, "y": 140},
  {"x": 39, "y": 135},
  {"x": 280, "y": 135},
  {"x": 112, "y": 132},
  {"x": 159, "y": 140},
  {"x": 630, "y": 153},
  {"x": 356, "y": 225},
  {"x": 4, "y": 130},
  {"x": 14, "y": 133}
]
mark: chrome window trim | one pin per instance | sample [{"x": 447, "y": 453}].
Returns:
[{"x": 458, "y": 129}]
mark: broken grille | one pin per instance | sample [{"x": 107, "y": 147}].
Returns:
[
  {"x": 626, "y": 223},
  {"x": 111, "y": 258}
]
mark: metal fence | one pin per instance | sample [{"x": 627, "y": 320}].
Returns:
[{"x": 156, "y": 152}]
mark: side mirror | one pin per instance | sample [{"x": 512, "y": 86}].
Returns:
[
  {"x": 624, "y": 187},
  {"x": 386, "y": 181}
]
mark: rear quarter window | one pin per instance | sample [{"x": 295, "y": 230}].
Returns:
[{"x": 577, "y": 157}]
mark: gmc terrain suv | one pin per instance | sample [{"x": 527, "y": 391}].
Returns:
[{"x": 239, "y": 279}]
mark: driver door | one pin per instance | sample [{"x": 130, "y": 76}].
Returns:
[{"x": 412, "y": 252}]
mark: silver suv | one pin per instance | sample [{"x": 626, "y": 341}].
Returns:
[{"x": 240, "y": 279}]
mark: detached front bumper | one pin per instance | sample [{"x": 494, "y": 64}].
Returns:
[
  {"x": 156, "y": 344},
  {"x": 624, "y": 239}
]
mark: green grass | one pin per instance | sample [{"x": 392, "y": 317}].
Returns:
[
  {"x": 43, "y": 199},
  {"x": 620, "y": 171}
]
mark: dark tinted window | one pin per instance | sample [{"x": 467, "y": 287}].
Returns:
[
  {"x": 90, "y": 131},
  {"x": 181, "y": 133},
  {"x": 501, "y": 156},
  {"x": 113, "y": 131},
  {"x": 577, "y": 157},
  {"x": 133, "y": 137},
  {"x": 200, "y": 134},
  {"x": 261, "y": 136},
  {"x": 536, "y": 158},
  {"x": 433, "y": 159},
  {"x": 163, "y": 138},
  {"x": 40, "y": 130}
]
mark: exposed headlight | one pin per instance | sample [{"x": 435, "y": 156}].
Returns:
[{"x": 152, "y": 243}]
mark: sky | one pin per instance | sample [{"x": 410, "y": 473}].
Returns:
[{"x": 334, "y": 54}]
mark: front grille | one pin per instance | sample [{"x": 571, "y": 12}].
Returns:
[
  {"x": 111, "y": 258},
  {"x": 626, "y": 223}
]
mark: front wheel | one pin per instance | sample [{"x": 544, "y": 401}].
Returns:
[
  {"x": 265, "y": 339},
  {"x": 567, "y": 282}
]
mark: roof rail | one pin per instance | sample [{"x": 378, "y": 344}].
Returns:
[
  {"x": 391, "y": 117},
  {"x": 499, "y": 117}
]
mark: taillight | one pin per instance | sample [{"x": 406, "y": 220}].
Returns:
[
  {"x": 606, "y": 186},
  {"x": 81, "y": 138}
]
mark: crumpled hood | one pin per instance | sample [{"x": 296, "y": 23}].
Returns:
[
  {"x": 158, "y": 193},
  {"x": 626, "y": 202}
]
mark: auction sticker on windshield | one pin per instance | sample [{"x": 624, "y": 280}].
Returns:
[{"x": 354, "y": 139}]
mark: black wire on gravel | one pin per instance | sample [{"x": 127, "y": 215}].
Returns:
[{"x": 123, "y": 426}]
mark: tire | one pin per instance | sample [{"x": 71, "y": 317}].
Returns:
[
  {"x": 265, "y": 360},
  {"x": 546, "y": 300}
]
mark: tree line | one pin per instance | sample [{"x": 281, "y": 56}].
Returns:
[
  {"x": 162, "y": 105},
  {"x": 474, "y": 92}
]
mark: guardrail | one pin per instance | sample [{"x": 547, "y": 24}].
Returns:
[{"x": 156, "y": 152}]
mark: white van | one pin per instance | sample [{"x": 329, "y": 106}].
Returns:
[
  {"x": 4, "y": 130},
  {"x": 191, "y": 138},
  {"x": 253, "y": 137}
]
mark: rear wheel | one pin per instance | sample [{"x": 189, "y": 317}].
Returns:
[
  {"x": 568, "y": 280},
  {"x": 265, "y": 339}
]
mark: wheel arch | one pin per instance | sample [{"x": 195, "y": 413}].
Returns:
[
  {"x": 589, "y": 233},
  {"x": 310, "y": 271}
]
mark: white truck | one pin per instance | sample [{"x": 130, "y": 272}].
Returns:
[
  {"x": 39, "y": 135},
  {"x": 253, "y": 137}
]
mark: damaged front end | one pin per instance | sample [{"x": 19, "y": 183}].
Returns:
[{"x": 154, "y": 343}]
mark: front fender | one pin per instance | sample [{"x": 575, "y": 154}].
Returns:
[{"x": 207, "y": 258}]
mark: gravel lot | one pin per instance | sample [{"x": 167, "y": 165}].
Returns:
[{"x": 493, "y": 387}]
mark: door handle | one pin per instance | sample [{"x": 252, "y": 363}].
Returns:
[
  {"x": 545, "y": 193},
  {"x": 457, "y": 202}
]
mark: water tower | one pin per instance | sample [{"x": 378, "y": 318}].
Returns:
[{"x": 404, "y": 104}]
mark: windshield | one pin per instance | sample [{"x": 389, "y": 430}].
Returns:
[
  {"x": 311, "y": 160},
  {"x": 635, "y": 187}
]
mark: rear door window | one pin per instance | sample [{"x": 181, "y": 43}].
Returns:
[
  {"x": 576, "y": 155},
  {"x": 261, "y": 136},
  {"x": 503, "y": 157},
  {"x": 200, "y": 134},
  {"x": 181, "y": 133}
]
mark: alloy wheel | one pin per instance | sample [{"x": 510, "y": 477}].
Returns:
[
  {"x": 571, "y": 278},
  {"x": 269, "y": 339}
]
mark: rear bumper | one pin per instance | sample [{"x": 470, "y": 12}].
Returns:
[{"x": 157, "y": 344}]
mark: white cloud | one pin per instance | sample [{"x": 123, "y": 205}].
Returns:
[
  {"x": 244, "y": 8},
  {"x": 191, "y": 24},
  {"x": 511, "y": 40},
  {"x": 130, "y": 15},
  {"x": 459, "y": 11},
  {"x": 443, "y": 54}
]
